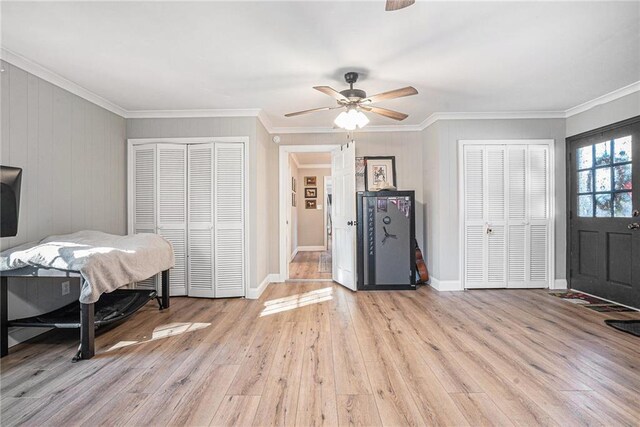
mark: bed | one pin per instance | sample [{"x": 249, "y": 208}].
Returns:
[{"x": 102, "y": 264}]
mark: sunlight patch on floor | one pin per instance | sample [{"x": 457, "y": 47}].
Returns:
[
  {"x": 292, "y": 302},
  {"x": 164, "y": 331}
]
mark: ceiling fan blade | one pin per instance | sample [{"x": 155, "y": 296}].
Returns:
[
  {"x": 387, "y": 113},
  {"x": 332, "y": 93},
  {"x": 313, "y": 110},
  {"x": 398, "y": 93},
  {"x": 398, "y": 4}
]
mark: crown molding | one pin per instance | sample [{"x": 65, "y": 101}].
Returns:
[
  {"x": 45, "y": 74},
  {"x": 55, "y": 79},
  {"x": 509, "y": 115},
  {"x": 182, "y": 114},
  {"x": 611, "y": 96},
  {"x": 295, "y": 159}
]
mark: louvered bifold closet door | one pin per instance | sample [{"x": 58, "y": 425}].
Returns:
[
  {"x": 518, "y": 229},
  {"x": 144, "y": 197},
  {"x": 474, "y": 217},
  {"x": 496, "y": 216},
  {"x": 229, "y": 221},
  {"x": 172, "y": 209},
  {"x": 200, "y": 220},
  {"x": 539, "y": 216},
  {"x": 485, "y": 216}
]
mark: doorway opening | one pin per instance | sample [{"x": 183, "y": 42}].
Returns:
[{"x": 309, "y": 221}]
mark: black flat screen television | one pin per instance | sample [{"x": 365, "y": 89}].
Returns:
[{"x": 10, "y": 180}]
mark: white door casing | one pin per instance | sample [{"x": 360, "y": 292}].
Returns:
[{"x": 343, "y": 178}]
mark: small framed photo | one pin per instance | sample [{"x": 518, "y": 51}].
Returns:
[
  {"x": 311, "y": 193},
  {"x": 310, "y": 204},
  {"x": 310, "y": 180},
  {"x": 293, "y": 199},
  {"x": 380, "y": 173},
  {"x": 293, "y": 184}
]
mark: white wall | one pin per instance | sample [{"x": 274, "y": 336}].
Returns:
[
  {"x": 441, "y": 184},
  {"x": 73, "y": 155},
  {"x": 604, "y": 114},
  {"x": 311, "y": 221},
  {"x": 405, "y": 146}
]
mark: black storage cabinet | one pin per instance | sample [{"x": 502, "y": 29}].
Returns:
[{"x": 386, "y": 240}]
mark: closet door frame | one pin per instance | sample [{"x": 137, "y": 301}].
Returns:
[
  {"x": 550, "y": 143},
  {"x": 133, "y": 142}
]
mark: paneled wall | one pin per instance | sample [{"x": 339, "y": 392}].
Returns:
[
  {"x": 604, "y": 114},
  {"x": 73, "y": 155}
]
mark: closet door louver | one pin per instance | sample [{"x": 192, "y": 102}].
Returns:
[
  {"x": 172, "y": 209},
  {"x": 517, "y": 218},
  {"x": 474, "y": 211},
  {"x": 229, "y": 220},
  {"x": 538, "y": 165},
  {"x": 144, "y": 196},
  {"x": 507, "y": 219},
  {"x": 200, "y": 222}
]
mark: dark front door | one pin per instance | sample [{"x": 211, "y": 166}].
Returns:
[{"x": 604, "y": 191}]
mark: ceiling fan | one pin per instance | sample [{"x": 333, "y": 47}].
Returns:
[
  {"x": 398, "y": 4},
  {"x": 355, "y": 100}
]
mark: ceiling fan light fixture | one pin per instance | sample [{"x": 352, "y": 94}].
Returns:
[{"x": 351, "y": 119}]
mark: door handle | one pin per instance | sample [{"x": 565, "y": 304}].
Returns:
[
  {"x": 633, "y": 226},
  {"x": 352, "y": 222}
]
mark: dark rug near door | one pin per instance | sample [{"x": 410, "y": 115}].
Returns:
[
  {"x": 591, "y": 302},
  {"x": 629, "y": 326}
]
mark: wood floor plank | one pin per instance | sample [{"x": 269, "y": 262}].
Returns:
[
  {"x": 315, "y": 353},
  {"x": 236, "y": 411},
  {"x": 480, "y": 410},
  {"x": 358, "y": 410}
]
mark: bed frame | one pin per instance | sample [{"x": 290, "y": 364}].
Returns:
[{"x": 87, "y": 311}]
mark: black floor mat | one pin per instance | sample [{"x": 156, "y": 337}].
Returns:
[{"x": 629, "y": 326}]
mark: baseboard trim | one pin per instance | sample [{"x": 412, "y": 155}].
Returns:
[
  {"x": 293, "y": 254},
  {"x": 310, "y": 248},
  {"x": 446, "y": 285},
  {"x": 255, "y": 293},
  {"x": 559, "y": 284}
]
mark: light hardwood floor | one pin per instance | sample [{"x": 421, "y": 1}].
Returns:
[
  {"x": 305, "y": 266},
  {"x": 315, "y": 353}
]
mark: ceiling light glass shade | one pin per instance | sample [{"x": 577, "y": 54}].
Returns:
[{"x": 352, "y": 119}]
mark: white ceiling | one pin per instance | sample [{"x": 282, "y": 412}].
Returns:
[
  {"x": 462, "y": 57},
  {"x": 313, "y": 158}
]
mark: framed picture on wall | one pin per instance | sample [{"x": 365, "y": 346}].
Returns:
[
  {"x": 309, "y": 180},
  {"x": 310, "y": 204},
  {"x": 293, "y": 199},
  {"x": 293, "y": 184},
  {"x": 380, "y": 173},
  {"x": 311, "y": 193}
]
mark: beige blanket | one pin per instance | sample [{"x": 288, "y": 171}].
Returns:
[{"x": 106, "y": 261}]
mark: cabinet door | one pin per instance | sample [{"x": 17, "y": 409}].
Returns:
[
  {"x": 200, "y": 220},
  {"x": 172, "y": 209},
  {"x": 144, "y": 196},
  {"x": 229, "y": 220}
]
